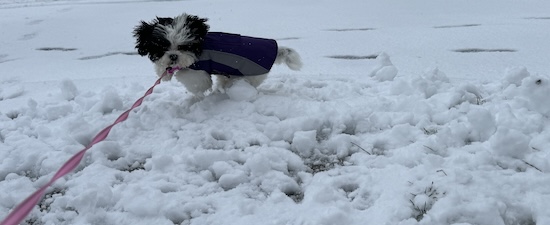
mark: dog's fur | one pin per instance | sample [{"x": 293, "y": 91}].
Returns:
[{"x": 177, "y": 42}]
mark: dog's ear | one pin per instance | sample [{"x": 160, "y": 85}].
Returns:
[
  {"x": 164, "y": 20},
  {"x": 144, "y": 35},
  {"x": 197, "y": 25}
]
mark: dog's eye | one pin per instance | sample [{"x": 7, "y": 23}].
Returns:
[{"x": 161, "y": 44}]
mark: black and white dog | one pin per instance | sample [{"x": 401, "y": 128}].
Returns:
[{"x": 184, "y": 42}]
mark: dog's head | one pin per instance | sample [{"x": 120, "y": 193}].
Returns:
[{"x": 171, "y": 42}]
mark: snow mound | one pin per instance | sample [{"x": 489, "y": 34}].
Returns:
[
  {"x": 384, "y": 70},
  {"x": 68, "y": 90},
  {"x": 241, "y": 91}
]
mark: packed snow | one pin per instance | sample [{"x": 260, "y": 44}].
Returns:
[{"x": 406, "y": 112}]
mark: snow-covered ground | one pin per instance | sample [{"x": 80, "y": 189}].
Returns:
[{"x": 406, "y": 112}]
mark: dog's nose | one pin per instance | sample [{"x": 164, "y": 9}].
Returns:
[{"x": 173, "y": 57}]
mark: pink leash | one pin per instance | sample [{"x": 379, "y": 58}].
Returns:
[{"x": 25, "y": 207}]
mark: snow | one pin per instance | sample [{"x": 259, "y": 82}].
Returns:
[
  {"x": 241, "y": 91},
  {"x": 417, "y": 112}
]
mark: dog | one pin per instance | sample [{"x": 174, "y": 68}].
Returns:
[{"x": 185, "y": 42}]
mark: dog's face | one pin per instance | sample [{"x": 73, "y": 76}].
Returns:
[{"x": 171, "y": 42}]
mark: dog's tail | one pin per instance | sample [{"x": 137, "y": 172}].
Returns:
[{"x": 290, "y": 57}]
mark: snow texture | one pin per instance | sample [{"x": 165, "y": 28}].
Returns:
[{"x": 406, "y": 112}]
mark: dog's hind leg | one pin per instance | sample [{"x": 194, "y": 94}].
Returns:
[
  {"x": 290, "y": 57},
  {"x": 255, "y": 81},
  {"x": 225, "y": 82}
]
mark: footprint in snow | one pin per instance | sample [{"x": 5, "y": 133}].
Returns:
[
  {"x": 350, "y": 29},
  {"x": 47, "y": 49},
  {"x": 106, "y": 55},
  {"x": 34, "y": 22},
  {"x": 3, "y": 60},
  {"x": 457, "y": 26},
  {"x": 28, "y": 36},
  {"x": 65, "y": 9},
  {"x": 352, "y": 57},
  {"x": 287, "y": 38},
  {"x": 538, "y": 18},
  {"x": 10, "y": 90},
  {"x": 315, "y": 85},
  {"x": 479, "y": 50},
  {"x": 3, "y": 57}
]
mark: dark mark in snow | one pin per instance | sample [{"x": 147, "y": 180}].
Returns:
[
  {"x": 4, "y": 58},
  {"x": 351, "y": 29},
  {"x": 56, "y": 49},
  {"x": 13, "y": 114},
  {"x": 71, "y": 3},
  {"x": 28, "y": 36},
  {"x": 65, "y": 9},
  {"x": 288, "y": 38},
  {"x": 352, "y": 57},
  {"x": 477, "y": 50},
  {"x": 107, "y": 54},
  {"x": 538, "y": 18},
  {"x": 456, "y": 26},
  {"x": 34, "y": 22}
]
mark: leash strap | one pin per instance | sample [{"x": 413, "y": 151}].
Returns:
[{"x": 24, "y": 208}]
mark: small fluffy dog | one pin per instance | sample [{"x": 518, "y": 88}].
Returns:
[{"x": 184, "y": 42}]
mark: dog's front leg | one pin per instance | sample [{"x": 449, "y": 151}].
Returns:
[{"x": 195, "y": 81}]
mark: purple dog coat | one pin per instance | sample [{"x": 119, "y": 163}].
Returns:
[{"x": 236, "y": 55}]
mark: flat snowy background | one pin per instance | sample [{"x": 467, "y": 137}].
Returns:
[{"x": 406, "y": 112}]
